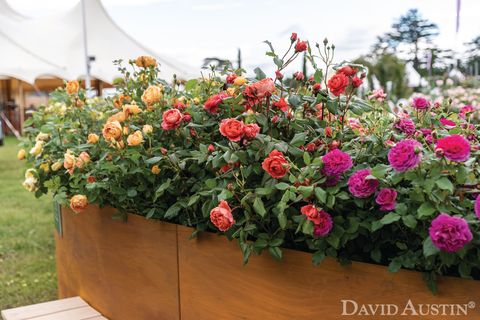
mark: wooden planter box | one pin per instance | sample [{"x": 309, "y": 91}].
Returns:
[{"x": 146, "y": 269}]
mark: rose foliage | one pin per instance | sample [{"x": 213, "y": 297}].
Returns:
[{"x": 274, "y": 162}]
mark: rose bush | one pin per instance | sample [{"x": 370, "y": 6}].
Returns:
[{"x": 275, "y": 163}]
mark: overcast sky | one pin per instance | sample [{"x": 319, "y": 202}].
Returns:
[{"x": 191, "y": 30}]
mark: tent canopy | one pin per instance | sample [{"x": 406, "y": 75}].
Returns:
[{"x": 55, "y": 45}]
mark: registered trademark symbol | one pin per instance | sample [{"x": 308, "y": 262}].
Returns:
[{"x": 471, "y": 305}]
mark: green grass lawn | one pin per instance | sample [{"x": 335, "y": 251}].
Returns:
[{"x": 27, "y": 250}]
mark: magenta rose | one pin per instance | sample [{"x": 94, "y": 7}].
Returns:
[
  {"x": 454, "y": 148},
  {"x": 420, "y": 103},
  {"x": 406, "y": 126},
  {"x": 361, "y": 187},
  {"x": 336, "y": 162},
  {"x": 386, "y": 199},
  {"x": 449, "y": 233},
  {"x": 447, "y": 123},
  {"x": 405, "y": 155}
]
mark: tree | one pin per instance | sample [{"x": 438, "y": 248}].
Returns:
[{"x": 413, "y": 31}]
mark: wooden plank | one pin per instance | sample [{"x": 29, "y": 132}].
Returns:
[
  {"x": 215, "y": 285},
  {"x": 44, "y": 308},
  {"x": 95, "y": 318},
  {"x": 81, "y": 313},
  {"x": 125, "y": 270}
]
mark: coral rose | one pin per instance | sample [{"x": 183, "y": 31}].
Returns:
[
  {"x": 276, "y": 165},
  {"x": 222, "y": 217},
  {"x": 232, "y": 129},
  {"x": 448, "y": 233},
  {"x": 281, "y": 104},
  {"x": 301, "y": 46},
  {"x": 337, "y": 84},
  {"x": 145, "y": 62},
  {"x": 82, "y": 159},
  {"x": 361, "y": 187},
  {"x": 68, "y": 160},
  {"x": 152, "y": 95},
  {"x": 78, "y": 203},
  {"x": 72, "y": 87},
  {"x": 260, "y": 89},
  {"x": 135, "y": 138},
  {"x": 92, "y": 138},
  {"x": 212, "y": 103},
  {"x": 171, "y": 119},
  {"x": 112, "y": 131},
  {"x": 347, "y": 71},
  {"x": 155, "y": 169},
  {"x": 454, "y": 148},
  {"x": 386, "y": 199},
  {"x": 251, "y": 130}
]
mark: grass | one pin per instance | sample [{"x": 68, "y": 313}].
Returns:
[{"x": 27, "y": 258}]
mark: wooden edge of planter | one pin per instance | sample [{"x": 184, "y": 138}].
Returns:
[
  {"x": 124, "y": 269},
  {"x": 265, "y": 287}
]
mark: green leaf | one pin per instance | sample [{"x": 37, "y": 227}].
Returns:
[
  {"x": 282, "y": 186},
  {"x": 409, "y": 221},
  {"x": 298, "y": 139},
  {"x": 193, "y": 200},
  {"x": 259, "y": 207},
  {"x": 295, "y": 100},
  {"x": 426, "y": 210},
  {"x": 131, "y": 193},
  {"x": 275, "y": 252},
  {"x": 445, "y": 184},
  {"x": 389, "y": 218},
  {"x": 307, "y": 227},
  {"x": 305, "y": 191},
  {"x": 430, "y": 279},
  {"x": 321, "y": 195},
  {"x": 153, "y": 160},
  {"x": 318, "y": 257},
  {"x": 259, "y": 73},
  {"x": 263, "y": 191},
  {"x": 465, "y": 270},
  {"x": 306, "y": 158},
  {"x": 173, "y": 211},
  {"x": 394, "y": 265},
  {"x": 282, "y": 220},
  {"x": 429, "y": 248}
]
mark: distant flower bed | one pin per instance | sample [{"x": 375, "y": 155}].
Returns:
[{"x": 292, "y": 161}]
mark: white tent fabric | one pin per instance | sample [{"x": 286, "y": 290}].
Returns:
[{"x": 57, "y": 41}]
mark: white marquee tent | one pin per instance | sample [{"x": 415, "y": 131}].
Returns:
[{"x": 54, "y": 45}]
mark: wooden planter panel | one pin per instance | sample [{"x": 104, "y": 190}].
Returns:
[
  {"x": 215, "y": 285},
  {"x": 125, "y": 270}
]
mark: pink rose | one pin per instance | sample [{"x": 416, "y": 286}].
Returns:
[
  {"x": 386, "y": 199},
  {"x": 171, "y": 119},
  {"x": 222, "y": 217}
]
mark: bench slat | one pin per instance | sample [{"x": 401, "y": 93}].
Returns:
[{"x": 65, "y": 309}]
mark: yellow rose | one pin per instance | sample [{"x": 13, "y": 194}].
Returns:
[
  {"x": 145, "y": 62},
  {"x": 119, "y": 116},
  {"x": 31, "y": 184},
  {"x": 57, "y": 166},
  {"x": 196, "y": 101},
  {"x": 78, "y": 203},
  {"x": 231, "y": 92},
  {"x": 135, "y": 138},
  {"x": 126, "y": 130},
  {"x": 21, "y": 154},
  {"x": 239, "y": 81},
  {"x": 72, "y": 87},
  {"x": 30, "y": 173},
  {"x": 155, "y": 169},
  {"x": 92, "y": 138},
  {"x": 68, "y": 160},
  {"x": 42, "y": 137},
  {"x": 112, "y": 130},
  {"x": 131, "y": 109},
  {"x": 37, "y": 149},
  {"x": 45, "y": 167},
  {"x": 152, "y": 95},
  {"x": 147, "y": 129}
]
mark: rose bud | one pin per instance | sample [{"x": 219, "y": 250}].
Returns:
[
  {"x": 231, "y": 78},
  {"x": 333, "y": 145},
  {"x": 211, "y": 148},
  {"x": 289, "y": 115},
  {"x": 299, "y": 76},
  {"x": 91, "y": 179},
  {"x": 293, "y": 37},
  {"x": 193, "y": 133},
  {"x": 230, "y": 186},
  {"x": 311, "y": 147},
  {"x": 278, "y": 75},
  {"x": 328, "y": 131},
  {"x": 163, "y": 151},
  {"x": 316, "y": 87},
  {"x": 356, "y": 82},
  {"x": 300, "y": 46},
  {"x": 187, "y": 117},
  {"x": 275, "y": 119}
]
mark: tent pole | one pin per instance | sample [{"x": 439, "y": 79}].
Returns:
[
  {"x": 87, "y": 58},
  {"x": 21, "y": 105}
]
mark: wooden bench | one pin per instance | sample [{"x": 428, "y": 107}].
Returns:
[{"x": 65, "y": 309}]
